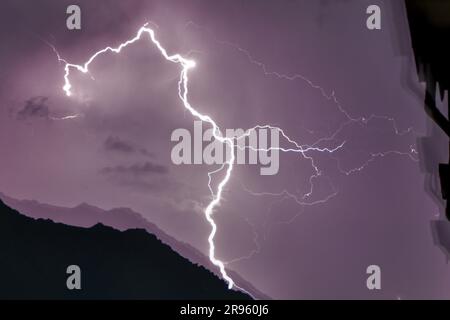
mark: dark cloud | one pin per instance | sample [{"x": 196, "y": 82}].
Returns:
[
  {"x": 145, "y": 152},
  {"x": 35, "y": 107},
  {"x": 136, "y": 169},
  {"x": 114, "y": 143},
  {"x": 147, "y": 176}
]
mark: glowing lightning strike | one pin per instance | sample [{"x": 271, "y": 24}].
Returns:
[
  {"x": 231, "y": 142},
  {"x": 303, "y": 149},
  {"x": 182, "y": 93}
]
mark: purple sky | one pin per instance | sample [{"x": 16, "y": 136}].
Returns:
[{"x": 118, "y": 153}]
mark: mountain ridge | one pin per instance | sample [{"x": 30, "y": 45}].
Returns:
[
  {"x": 130, "y": 264},
  {"x": 123, "y": 218}
]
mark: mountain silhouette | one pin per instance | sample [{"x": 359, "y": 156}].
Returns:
[
  {"x": 86, "y": 216},
  {"x": 133, "y": 264}
]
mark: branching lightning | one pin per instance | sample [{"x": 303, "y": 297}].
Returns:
[
  {"x": 231, "y": 142},
  {"x": 186, "y": 65},
  {"x": 349, "y": 120}
]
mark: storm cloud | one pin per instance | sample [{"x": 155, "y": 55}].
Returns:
[
  {"x": 35, "y": 107},
  {"x": 136, "y": 169},
  {"x": 116, "y": 144}
]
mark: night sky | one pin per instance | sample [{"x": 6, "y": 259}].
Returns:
[{"x": 309, "y": 67}]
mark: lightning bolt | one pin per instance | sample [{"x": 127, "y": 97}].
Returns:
[
  {"x": 69, "y": 117},
  {"x": 186, "y": 65},
  {"x": 349, "y": 120},
  {"x": 294, "y": 77},
  {"x": 231, "y": 142}
]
